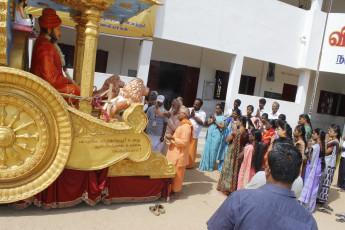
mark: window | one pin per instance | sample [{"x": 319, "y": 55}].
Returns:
[
  {"x": 330, "y": 103},
  {"x": 222, "y": 79},
  {"x": 247, "y": 85}
]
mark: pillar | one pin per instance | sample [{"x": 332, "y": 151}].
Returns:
[
  {"x": 144, "y": 60},
  {"x": 87, "y": 71},
  {"x": 234, "y": 80},
  {"x": 302, "y": 90},
  {"x": 80, "y": 19}
]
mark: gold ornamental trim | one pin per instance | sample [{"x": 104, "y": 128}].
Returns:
[
  {"x": 97, "y": 144},
  {"x": 156, "y": 166},
  {"x": 3, "y": 32},
  {"x": 35, "y": 134}
]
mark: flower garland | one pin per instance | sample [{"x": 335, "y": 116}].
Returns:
[{"x": 62, "y": 57}]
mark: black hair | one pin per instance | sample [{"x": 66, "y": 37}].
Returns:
[
  {"x": 265, "y": 115},
  {"x": 301, "y": 129},
  {"x": 272, "y": 122},
  {"x": 201, "y": 101},
  {"x": 252, "y": 107},
  {"x": 220, "y": 106},
  {"x": 336, "y": 129},
  {"x": 263, "y": 101},
  {"x": 322, "y": 135},
  {"x": 285, "y": 126},
  {"x": 237, "y": 111},
  {"x": 238, "y": 101},
  {"x": 305, "y": 116},
  {"x": 258, "y": 155},
  {"x": 250, "y": 122},
  {"x": 24, "y": 5},
  {"x": 44, "y": 30},
  {"x": 282, "y": 116},
  {"x": 285, "y": 162},
  {"x": 281, "y": 141},
  {"x": 243, "y": 120}
]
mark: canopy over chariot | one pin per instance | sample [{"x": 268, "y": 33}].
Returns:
[{"x": 48, "y": 127}]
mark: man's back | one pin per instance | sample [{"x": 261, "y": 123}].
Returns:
[{"x": 268, "y": 207}]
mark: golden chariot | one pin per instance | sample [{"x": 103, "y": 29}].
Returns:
[{"x": 41, "y": 135}]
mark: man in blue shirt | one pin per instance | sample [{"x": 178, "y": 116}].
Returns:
[{"x": 272, "y": 206}]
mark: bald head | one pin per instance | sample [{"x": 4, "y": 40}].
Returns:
[{"x": 183, "y": 113}]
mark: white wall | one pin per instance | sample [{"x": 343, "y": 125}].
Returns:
[
  {"x": 122, "y": 53},
  {"x": 267, "y": 30}
]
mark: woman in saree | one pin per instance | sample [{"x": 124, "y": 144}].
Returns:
[
  {"x": 252, "y": 159},
  {"x": 213, "y": 139},
  {"x": 313, "y": 170},
  {"x": 300, "y": 143},
  {"x": 305, "y": 121},
  {"x": 226, "y": 132},
  {"x": 227, "y": 182},
  {"x": 331, "y": 152},
  {"x": 266, "y": 139}
]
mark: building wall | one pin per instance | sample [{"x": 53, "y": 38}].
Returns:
[{"x": 248, "y": 27}]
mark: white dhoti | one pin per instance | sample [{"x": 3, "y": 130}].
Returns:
[{"x": 156, "y": 143}]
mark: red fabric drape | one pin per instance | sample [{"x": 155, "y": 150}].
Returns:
[
  {"x": 135, "y": 188},
  {"x": 75, "y": 186}
]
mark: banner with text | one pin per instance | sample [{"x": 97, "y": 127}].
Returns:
[
  {"x": 333, "y": 53},
  {"x": 139, "y": 26}
]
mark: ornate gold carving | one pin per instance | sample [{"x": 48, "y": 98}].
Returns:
[
  {"x": 156, "y": 166},
  {"x": 101, "y": 144},
  {"x": 93, "y": 16},
  {"x": 35, "y": 134},
  {"x": 3, "y": 32},
  {"x": 12, "y": 8}
]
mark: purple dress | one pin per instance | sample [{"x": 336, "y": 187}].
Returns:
[{"x": 311, "y": 182}]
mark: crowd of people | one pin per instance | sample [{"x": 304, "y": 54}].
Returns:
[{"x": 241, "y": 143}]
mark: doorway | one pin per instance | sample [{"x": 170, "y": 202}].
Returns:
[{"x": 174, "y": 80}]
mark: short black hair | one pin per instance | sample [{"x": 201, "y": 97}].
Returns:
[
  {"x": 201, "y": 101},
  {"x": 282, "y": 116},
  {"x": 265, "y": 115},
  {"x": 238, "y": 101},
  {"x": 263, "y": 101},
  {"x": 285, "y": 162},
  {"x": 250, "y": 106}
]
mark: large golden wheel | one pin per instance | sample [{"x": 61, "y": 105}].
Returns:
[{"x": 35, "y": 135}]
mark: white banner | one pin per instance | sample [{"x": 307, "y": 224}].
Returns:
[{"x": 333, "y": 54}]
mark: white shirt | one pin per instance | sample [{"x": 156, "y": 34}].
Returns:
[
  {"x": 197, "y": 127},
  {"x": 229, "y": 113},
  {"x": 273, "y": 116},
  {"x": 262, "y": 112}
]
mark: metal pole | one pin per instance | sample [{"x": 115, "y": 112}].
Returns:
[{"x": 319, "y": 61}]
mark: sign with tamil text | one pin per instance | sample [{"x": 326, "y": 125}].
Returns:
[{"x": 333, "y": 53}]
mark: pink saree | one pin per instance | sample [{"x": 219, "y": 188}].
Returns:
[{"x": 246, "y": 171}]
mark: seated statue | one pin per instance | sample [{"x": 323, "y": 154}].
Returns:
[
  {"x": 20, "y": 16},
  {"x": 47, "y": 58}
]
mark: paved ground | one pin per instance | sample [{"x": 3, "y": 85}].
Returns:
[{"x": 199, "y": 200}]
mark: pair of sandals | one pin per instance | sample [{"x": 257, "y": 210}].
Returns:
[
  {"x": 157, "y": 209},
  {"x": 325, "y": 209},
  {"x": 341, "y": 216}
]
